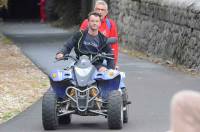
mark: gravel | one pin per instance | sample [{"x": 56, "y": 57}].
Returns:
[{"x": 21, "y": 82}]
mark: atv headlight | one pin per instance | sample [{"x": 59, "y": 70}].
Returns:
[{"x": 83, "y": 71}]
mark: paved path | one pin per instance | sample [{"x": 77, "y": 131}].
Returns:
[{"x": 150, "y": 86}]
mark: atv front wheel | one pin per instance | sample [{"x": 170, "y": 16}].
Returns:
[
  {"x": 115, "y": 110},
  {"x": 49, "y": 111},
  {"x": 66, "y": 119}
]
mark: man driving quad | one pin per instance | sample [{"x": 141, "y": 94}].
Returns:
[{"x": 89, "y": 41}]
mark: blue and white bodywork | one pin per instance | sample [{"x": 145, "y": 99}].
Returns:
[
  {"x": 60, "y": 75},
  {"x": 106, "y": 81}
]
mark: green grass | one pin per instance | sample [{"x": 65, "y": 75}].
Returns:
[
  {"x": 9, "y": 115},
  {"x": 4, "y": 39}
]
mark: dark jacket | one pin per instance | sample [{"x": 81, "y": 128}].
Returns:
[{"x": 76, "y": 42}]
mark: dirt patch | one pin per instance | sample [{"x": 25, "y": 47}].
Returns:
[{"x": 21, "y": 82}]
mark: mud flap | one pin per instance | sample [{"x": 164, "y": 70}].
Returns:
[{"x": 106, "y": 86}]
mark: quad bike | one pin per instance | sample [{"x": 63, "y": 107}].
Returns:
[{"x": 81, "y": 89}]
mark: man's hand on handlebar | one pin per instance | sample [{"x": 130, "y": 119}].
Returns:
[
  {"x": 116, "y": 67},
  {"x": 102, "y": 69},
  {"x": 59, "y": 56}
]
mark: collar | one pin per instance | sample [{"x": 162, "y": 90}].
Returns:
[{"x": 104, "y": 19}]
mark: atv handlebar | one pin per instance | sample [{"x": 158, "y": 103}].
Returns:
[
  {"x": 101, "y": 55},
  {"x": 111, "y": 40},
  {"x": 95, "y": 58},
  {"x": 66, "y": 57}
]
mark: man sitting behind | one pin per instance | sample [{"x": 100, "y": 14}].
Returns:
[{"x": 108, "y": 26}]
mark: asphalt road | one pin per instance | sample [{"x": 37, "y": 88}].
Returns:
[{"x": 150, "y": 86}]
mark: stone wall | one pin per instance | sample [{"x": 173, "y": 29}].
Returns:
[
  {"x": 68, "y": 12},
  {"x": 166, "y": 28}
]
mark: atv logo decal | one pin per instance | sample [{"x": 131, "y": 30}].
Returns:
[
  {"x": 111, "y": 73},
  {"x": 54, "y": 75}
]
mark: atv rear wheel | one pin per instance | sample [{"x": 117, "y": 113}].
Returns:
[
  {"x": 49, "y": 111},
  {"x": 115, "y": 110},
  {"x": 125, "y": 100},
  {"x": 125, "y": 115},
  {"x": 124, "y": 96}
]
